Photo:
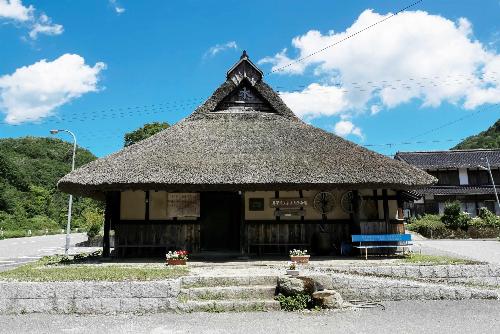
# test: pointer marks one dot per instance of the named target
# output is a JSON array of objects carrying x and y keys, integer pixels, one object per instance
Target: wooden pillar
[
  {"x": 385, "y": 204},
  {"x": 355, "y": 216},
  {"x": 375, "y": 200},
  {"x": 243, "y": 226},
  {"x": 146, "y": 218},
  {"x": 399, "y": 198},
  {"x": 108, "y": 213}
]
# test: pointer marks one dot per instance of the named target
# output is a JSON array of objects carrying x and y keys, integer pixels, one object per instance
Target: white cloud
[
  {"x": 15, "y": 10},
  {"x": 117, "y": 7},
  {"x": 344, "y": 128},
  {"x": 439, "y": 61},
  {"x": 46, "y": 27},
  {"x": 212, "y": 51},
  {"x": 35, "y": 91},
  {"x": 316, "y": 100}
]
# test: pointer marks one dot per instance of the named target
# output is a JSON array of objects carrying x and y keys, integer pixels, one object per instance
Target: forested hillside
[
  {"x": 487, "y": 139},
  {"x": 29, "y": 170}
]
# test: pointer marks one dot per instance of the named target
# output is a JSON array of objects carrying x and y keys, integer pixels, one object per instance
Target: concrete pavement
[
  {"x": 470, "y": 316},
  {"x": 479, "y": 250},
  {"x": 16, "y": 251}
]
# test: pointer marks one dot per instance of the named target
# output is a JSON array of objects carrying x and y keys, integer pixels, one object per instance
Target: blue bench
[{"x": 369, "y": 241}]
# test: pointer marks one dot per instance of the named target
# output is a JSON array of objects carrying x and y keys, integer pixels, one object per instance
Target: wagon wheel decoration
[
  {"x": 324, "y": 202},
  {"x": 347, "y": 199}
]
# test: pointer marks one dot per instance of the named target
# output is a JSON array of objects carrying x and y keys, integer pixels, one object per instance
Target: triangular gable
[
  {"x": 244, "y": 91},
  {"x": 244, "y": 98}
]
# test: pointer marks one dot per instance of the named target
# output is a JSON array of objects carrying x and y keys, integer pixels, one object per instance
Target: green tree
[
  {"x": 144, "y": 132},
  {"x": 454, "y": 218},
  {"x": 486, "y": 139},
  {"x": 29, "y": 170}
]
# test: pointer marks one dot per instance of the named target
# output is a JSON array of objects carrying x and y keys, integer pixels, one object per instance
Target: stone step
[
  {"x": 229, "y": 305},
  {"x": 228, "y": 292},
  {"x": 218, "y": 281}
]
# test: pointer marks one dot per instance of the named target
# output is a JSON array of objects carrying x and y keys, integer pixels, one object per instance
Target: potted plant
[
  {"x": 292, "y": 269},
  {"x": 299, "y": 256},
  {"x": 176, "y": 258}
]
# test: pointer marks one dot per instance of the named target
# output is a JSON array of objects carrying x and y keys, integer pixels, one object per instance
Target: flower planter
[
  {"x": 302, "y": 259},
  {"x": 292, "y": 272},
  {"x": 176, "y": 262}
]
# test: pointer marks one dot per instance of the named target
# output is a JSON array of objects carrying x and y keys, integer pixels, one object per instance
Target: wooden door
[{"x": 220, "y": 216}]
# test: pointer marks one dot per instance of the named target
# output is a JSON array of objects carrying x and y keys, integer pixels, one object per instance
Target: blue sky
[{"x": 111, "y": 66}]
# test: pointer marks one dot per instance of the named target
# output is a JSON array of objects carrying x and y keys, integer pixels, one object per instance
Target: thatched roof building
[
  {"x": 242, "y": 172},
  {"x": 243, "y": 137}
]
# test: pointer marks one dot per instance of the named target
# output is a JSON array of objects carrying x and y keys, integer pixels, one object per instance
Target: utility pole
[
  {"x": 68, "y": 225},
  {"x": 492, "y": 180}
]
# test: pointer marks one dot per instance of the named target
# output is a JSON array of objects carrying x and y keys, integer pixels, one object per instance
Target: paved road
[
  {"x": 22, "y": 250},
  {"x": 480, "y": 250},
  {"x": 472, "y": 316}
]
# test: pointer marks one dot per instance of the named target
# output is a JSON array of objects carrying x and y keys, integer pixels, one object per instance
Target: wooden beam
[
  {"x": 243, "y": 226},
  {"x": 355, "y": 216},
  {"x": 146, "y": 218},
  {"x": 277, "y": 195},
  {"x": 385, "y": 204},
  {"x": 108, "y": 213}
]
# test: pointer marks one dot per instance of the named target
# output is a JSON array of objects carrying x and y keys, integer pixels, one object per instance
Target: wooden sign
[
  {"x": 183, "y": 205},
  {"x": 289, "y": 203},
  {"x": 289, "y": 213}
]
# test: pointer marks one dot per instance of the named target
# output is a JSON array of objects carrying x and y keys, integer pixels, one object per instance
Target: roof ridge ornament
[{"x": 244, "y": 69}]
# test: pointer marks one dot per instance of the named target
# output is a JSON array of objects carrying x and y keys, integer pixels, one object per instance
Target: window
[
  {"x": 446, "y": 177},
  {"x": 479, "y": 177}
]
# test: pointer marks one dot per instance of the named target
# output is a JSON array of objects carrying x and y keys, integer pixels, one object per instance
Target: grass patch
[
  {"x": 54, "y": 269},
  {"x": 434, "y": 259}
]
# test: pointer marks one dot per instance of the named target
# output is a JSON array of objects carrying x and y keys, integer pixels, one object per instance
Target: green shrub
[
  {"x": 489, "y": 218},
  {"x": 296, "y": 302},
  {"x": 453, "y": 217},
  {"x": 430, "y": 226},
  {"x": 93, "y": 221}
]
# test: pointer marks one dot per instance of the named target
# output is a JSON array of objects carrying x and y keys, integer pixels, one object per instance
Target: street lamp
[
  {"x": 68, "y": 225},
  {"x": 492, "y": 180}
]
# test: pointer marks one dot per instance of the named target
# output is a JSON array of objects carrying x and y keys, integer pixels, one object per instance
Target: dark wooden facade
[{"x": 222, "y": 227}]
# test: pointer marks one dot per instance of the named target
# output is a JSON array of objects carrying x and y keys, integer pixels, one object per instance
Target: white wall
[
  {"x": 367, "y": 209},
  {"x": 463, "y": 176}
]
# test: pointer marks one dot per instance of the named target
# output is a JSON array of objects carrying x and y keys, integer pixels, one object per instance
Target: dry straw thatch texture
[{"x": 242, "y": 149}]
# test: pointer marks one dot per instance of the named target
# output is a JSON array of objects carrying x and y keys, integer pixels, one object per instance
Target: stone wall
[
  {"x": 356, "y": 287},
  {"x": 88, "y": 297}
]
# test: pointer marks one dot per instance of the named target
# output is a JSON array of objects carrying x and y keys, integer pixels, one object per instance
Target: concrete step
[
  {"x": 229, "y": 292},
  {"x": 229, "y": 305},
  {"x": 220, "y": 281}
]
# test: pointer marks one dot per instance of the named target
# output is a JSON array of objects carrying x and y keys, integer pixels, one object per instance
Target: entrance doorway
[{"x": 220, "y": 217}]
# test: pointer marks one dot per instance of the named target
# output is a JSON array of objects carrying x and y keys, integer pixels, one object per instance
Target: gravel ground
[{"x": 471, "y": 316}]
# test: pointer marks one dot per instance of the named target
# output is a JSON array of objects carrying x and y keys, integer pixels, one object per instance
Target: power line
[
  {"x": 345, "y": 38},
  {"x": 126, "y": 112},
  {"x": 389, "y": 145},
  {"x": 454, "y": 121},
  {"x": 421, "y": 82}
]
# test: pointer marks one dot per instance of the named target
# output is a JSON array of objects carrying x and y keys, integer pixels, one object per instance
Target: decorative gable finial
[{"x": 244, "y": 68}]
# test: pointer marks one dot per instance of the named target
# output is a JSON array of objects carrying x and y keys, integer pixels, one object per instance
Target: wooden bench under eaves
[{"x": 374, "y": 241}]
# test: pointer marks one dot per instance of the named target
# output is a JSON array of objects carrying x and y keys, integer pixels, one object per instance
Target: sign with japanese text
[{"x": 289, "y": 203}]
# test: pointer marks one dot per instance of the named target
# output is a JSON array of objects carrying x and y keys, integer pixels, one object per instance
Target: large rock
[
  {"x": 290, "y": 286},
  {"x": 327, "y": 299}
]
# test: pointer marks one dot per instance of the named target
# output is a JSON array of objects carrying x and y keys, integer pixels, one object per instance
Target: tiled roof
[
  {"x": 457, "y": 190},
  {"x": 451, "y": 159}
]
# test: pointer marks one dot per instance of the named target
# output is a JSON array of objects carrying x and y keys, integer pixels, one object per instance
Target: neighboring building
[
  {"x": 461, "y": 176},
  {"x": 243, "y": 173}
]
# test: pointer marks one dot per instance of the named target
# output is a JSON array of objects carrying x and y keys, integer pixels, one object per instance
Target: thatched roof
[{"x": 243, "y": 137}]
